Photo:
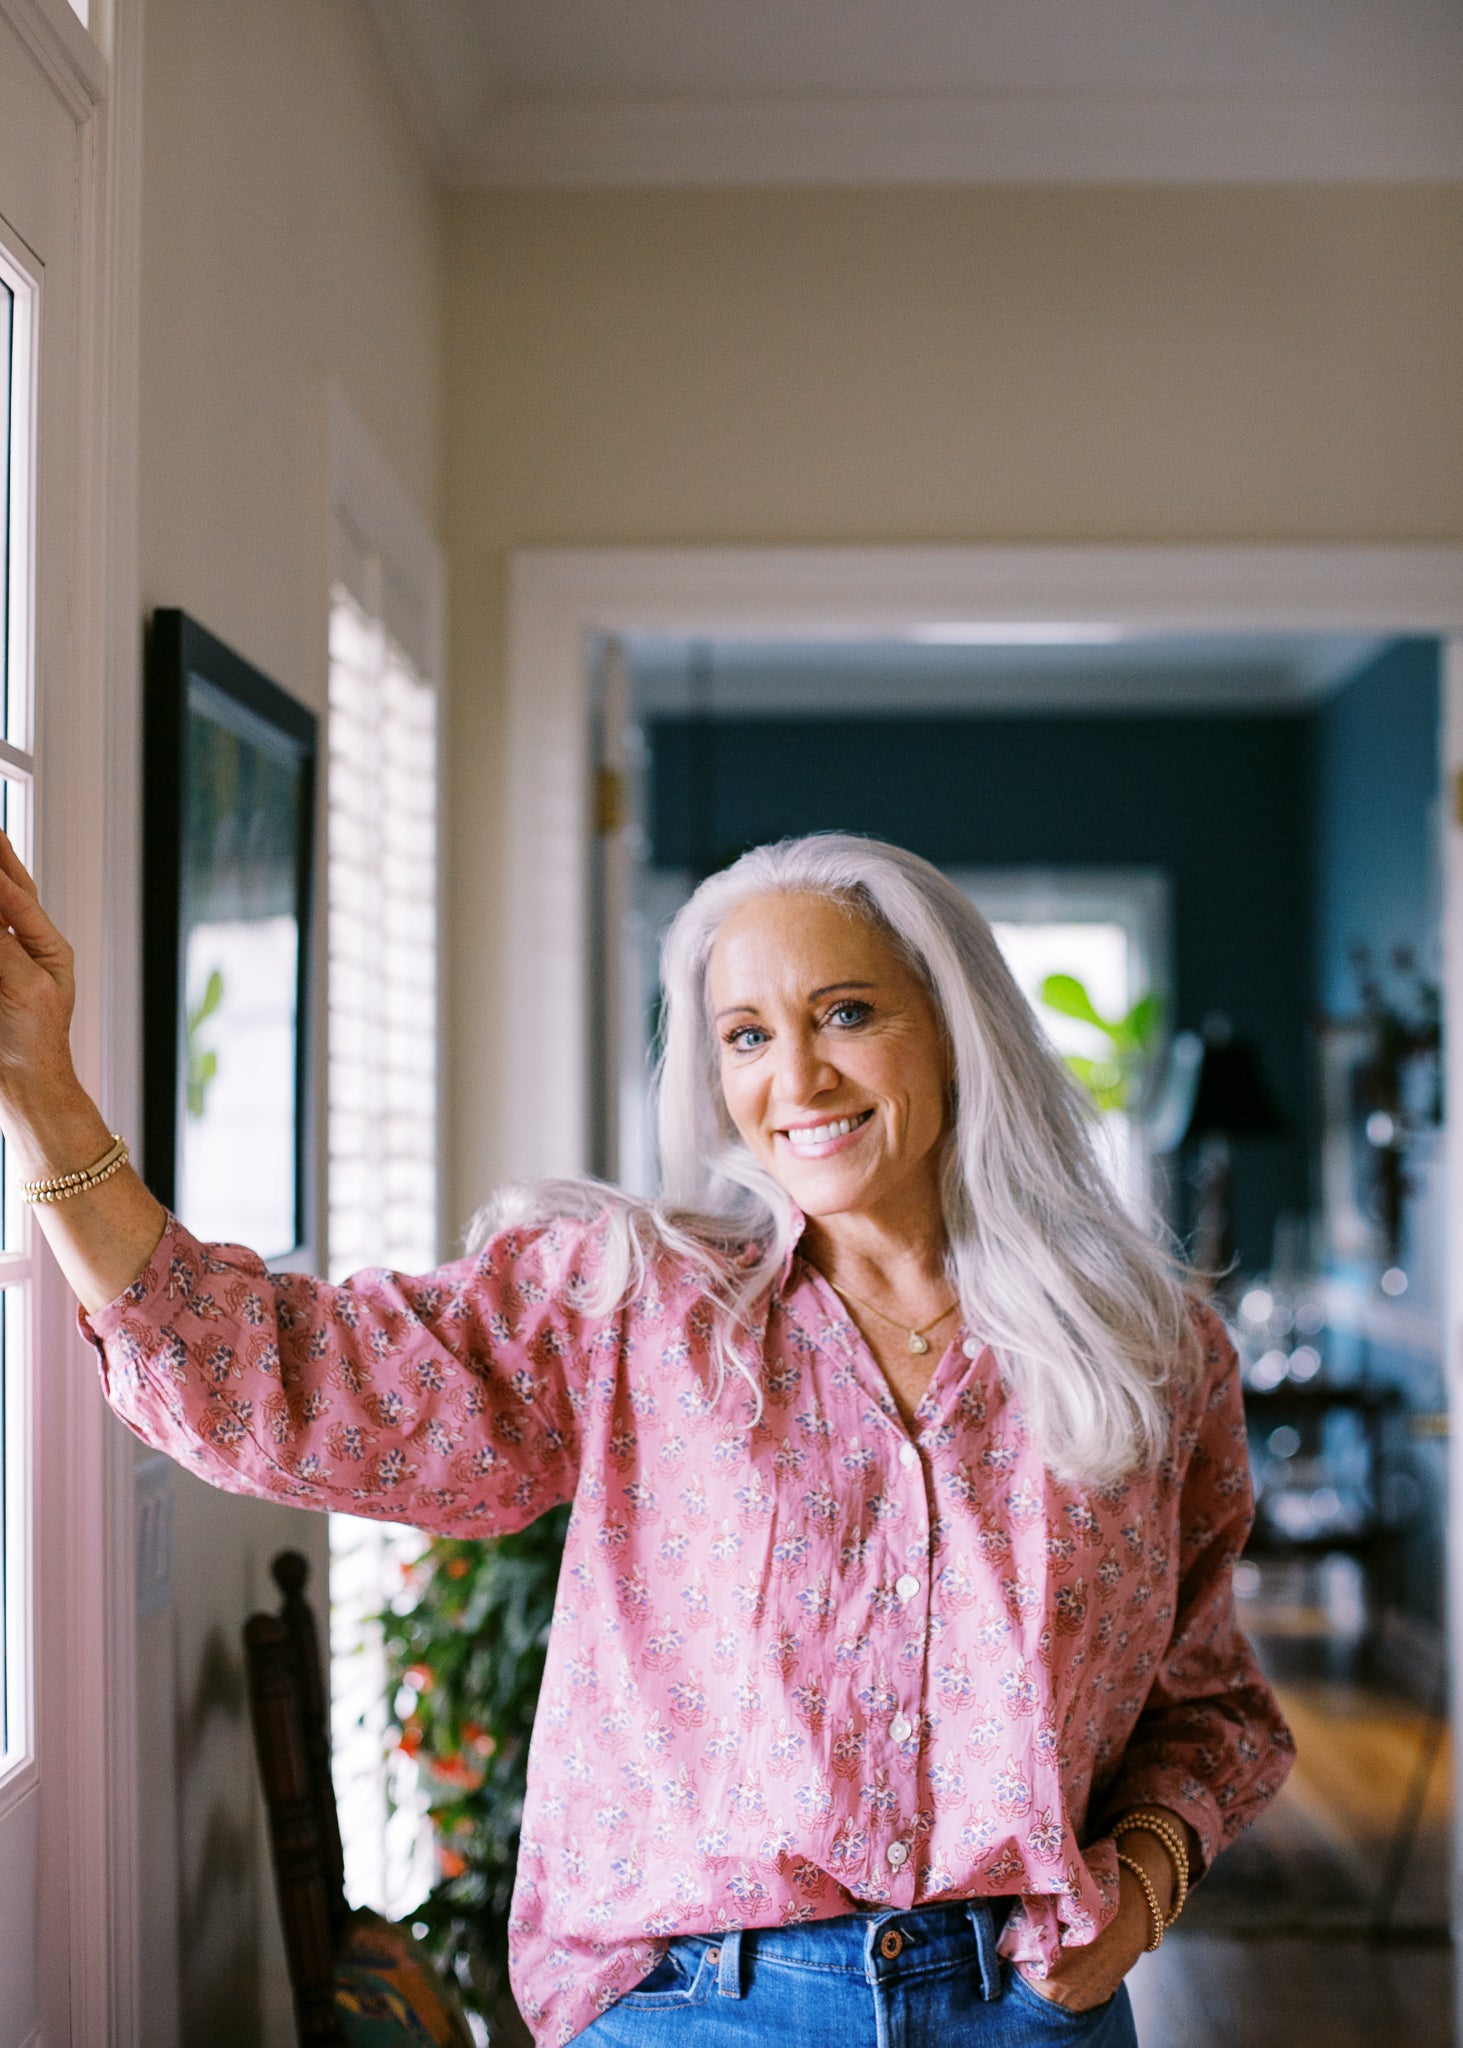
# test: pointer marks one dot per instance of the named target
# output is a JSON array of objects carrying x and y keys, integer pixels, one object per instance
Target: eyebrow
[{"x": 829, "y": 988}]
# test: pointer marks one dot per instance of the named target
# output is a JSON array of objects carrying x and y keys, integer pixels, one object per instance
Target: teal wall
[
  {"x": 1378, "y": 885},
  {"x": 1377, "y": 876}
]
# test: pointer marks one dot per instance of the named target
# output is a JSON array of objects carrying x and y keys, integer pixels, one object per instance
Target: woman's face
[{"x": 833, "y": 1063}]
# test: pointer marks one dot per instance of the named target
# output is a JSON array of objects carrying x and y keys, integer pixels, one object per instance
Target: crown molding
[
  {"x": 64, "y": 51},
  {"x": 1078, "y": 139}
]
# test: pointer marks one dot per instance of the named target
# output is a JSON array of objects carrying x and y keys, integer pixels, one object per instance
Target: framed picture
[{"x": 229, "y": 807}]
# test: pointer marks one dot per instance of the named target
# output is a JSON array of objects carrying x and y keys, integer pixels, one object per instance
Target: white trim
[
  {"x": 1058, "y": 138},
  {"x": 100, "y": 1744},
  {"x": 65, "y": 53},
  {"x": 560, "y": 598}
]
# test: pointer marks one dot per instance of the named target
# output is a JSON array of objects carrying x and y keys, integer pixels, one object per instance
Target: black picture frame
[{"x": 229, "y": 802}]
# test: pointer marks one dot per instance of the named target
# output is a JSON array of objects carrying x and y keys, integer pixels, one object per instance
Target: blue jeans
[{"x": 876, "y": 1978}]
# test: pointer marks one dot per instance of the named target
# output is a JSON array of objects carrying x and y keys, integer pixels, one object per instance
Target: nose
[{"x": 803, "y": 1072}]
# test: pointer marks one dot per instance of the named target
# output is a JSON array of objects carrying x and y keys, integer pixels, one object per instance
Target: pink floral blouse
[{"x": 793, "y": 1665}]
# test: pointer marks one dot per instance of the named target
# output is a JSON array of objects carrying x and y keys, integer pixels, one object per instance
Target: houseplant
[{"x": 465, "y": 1648}]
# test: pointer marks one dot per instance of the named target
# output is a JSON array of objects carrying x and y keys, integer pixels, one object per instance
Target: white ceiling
[
  {"x": 1158, "y": 673},
  {"x": 661, "y": 92}
]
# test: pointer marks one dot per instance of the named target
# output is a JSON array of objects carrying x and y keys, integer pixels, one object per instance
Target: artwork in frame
[{"x": 229, "y": 809}]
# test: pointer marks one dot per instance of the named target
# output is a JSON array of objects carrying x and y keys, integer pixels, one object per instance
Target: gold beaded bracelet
[
  {"x": 1163, "y": 1830},
  {"x": 1154, "y": 1909},
  {"x": 60, "y": 1187}
]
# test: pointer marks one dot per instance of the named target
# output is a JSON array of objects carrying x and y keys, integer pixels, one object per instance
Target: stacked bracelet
[
  {"x": 60, "y": 1187},
  {"x": 1155, "y": 1911},
  {"x": 1163, "y": 1829}
]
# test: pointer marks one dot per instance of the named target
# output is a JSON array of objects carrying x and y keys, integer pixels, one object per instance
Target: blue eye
[
  {"x": 737, "y": 1039},
  {"x": 847, "y": 1015}
]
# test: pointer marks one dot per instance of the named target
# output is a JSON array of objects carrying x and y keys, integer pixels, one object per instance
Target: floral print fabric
[{"x": 796, "y": 1663}]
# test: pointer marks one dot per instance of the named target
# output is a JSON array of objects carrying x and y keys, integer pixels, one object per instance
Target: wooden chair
[{"x": 322, "y": 1937}]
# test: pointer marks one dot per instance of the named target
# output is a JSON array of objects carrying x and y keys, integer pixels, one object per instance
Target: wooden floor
[
  {"x": 1279, "y": 1947},
  {"x": 1218, "y": 1991}
]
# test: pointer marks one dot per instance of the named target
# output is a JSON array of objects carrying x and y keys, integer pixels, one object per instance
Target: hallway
[{"x": 1241, "y": 1969}]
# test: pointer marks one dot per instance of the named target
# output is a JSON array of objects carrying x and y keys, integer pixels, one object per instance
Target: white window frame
[
  {"x": 18, "y": 1268},
  {"x": 1137, "y": 899},
  {"x": 87, "y": 863}
]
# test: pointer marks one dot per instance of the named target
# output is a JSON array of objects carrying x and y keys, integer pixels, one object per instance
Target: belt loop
[
  {"x": 982, "y": 1921},
  {"x": 729, "y": 1969}
]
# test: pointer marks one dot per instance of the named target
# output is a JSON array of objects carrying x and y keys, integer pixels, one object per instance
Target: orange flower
[
  {"x": 456, "y": 1772},
  {"x": 412, "y": 1737},
  {"x": 457, "y": 1567},
  {"x": 451, "y": 1864},
  {"x": 419, "y": 1676}
]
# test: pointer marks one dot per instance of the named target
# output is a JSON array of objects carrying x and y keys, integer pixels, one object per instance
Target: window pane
[
  {"x": 15, "y": 821},
  {"x": 7, "y": 328},
  {"x": 13, "y": 1545}
]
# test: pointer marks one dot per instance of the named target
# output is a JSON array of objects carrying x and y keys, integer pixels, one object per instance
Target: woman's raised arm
[{"x": 104, "y": 1237}]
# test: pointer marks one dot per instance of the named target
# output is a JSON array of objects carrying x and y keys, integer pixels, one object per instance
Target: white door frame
[
  {"x": 563, "y": 599},
  {"x": 89, "y": 703}
]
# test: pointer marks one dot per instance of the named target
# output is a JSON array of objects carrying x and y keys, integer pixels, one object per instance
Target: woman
[{"x": 894, "y": 1680}]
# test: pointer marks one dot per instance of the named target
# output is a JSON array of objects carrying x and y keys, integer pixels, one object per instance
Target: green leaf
[
  {"x": 1065, "y": 994},
  {"x": 213, "y": 995}
]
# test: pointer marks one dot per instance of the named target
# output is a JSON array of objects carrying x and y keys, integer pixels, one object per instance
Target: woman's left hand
[{"x": 1081, "y": 1978}]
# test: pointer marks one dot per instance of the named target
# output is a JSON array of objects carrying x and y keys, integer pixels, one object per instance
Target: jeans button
[{"x": 890, "y": 1943}]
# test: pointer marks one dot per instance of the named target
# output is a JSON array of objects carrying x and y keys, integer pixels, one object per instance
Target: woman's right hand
[
  {"x": 102, "y": 1238},
  {"x": 37, "y": 997}
]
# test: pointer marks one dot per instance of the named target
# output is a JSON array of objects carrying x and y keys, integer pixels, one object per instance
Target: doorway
[
  {"x": 1248, "y": 862},
  {"x": 572, "y": 613}
]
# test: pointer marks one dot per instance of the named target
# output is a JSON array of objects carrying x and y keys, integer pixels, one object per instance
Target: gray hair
[{"x": 1083, "y": 1304}]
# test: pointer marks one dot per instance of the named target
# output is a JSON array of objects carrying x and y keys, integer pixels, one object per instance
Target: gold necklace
[{"x": 918, "y": 1342}]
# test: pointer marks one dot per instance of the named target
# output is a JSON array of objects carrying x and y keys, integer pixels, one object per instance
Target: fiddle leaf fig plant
[{"x": 1114, "y": 1076}]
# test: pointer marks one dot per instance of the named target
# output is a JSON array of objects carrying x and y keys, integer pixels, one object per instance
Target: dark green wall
[{"x": 1221, "y": 803}]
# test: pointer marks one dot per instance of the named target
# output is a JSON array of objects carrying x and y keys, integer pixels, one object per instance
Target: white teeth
[{"x": 819, "y": 1134}]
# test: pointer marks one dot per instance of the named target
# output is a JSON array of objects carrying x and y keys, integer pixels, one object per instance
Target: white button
[
  {"x": 898, "y": 1854},
  {"x": 906, "y": 1587},
  {"x": 901, "y": 1729},
  {"x": 971, "y": 1347},
  {"x": 907, "y": 1453}
]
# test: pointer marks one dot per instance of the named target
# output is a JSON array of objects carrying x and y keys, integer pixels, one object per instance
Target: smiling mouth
[{"x": 813, "y": 1137}]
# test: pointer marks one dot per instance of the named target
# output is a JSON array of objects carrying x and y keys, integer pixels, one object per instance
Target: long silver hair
[{"x": 1084, "y": 1305}]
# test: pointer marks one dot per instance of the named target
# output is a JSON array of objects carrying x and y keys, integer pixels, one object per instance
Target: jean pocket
[
  {"x": 681, "y": 1977},
  {"x": 1061, "y": 2017}
]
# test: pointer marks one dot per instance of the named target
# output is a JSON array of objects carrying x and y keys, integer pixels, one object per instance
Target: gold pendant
[{"x": 917, "y": 1344}]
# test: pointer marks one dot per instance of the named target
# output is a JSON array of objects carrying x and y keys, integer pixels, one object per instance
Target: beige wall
[
  {"x": 916, "y": 366},
  {"x": 289, "y": 237}
]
